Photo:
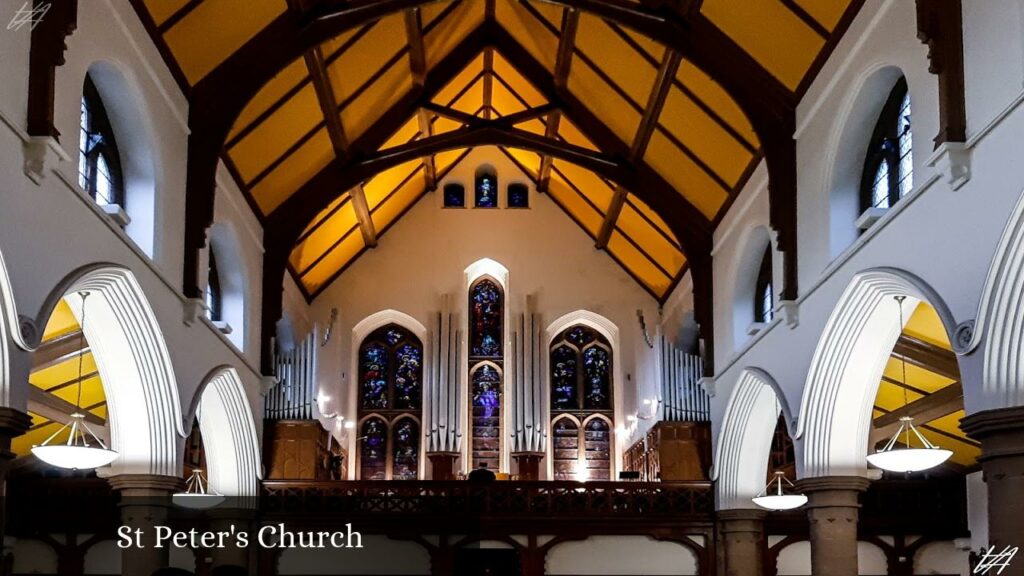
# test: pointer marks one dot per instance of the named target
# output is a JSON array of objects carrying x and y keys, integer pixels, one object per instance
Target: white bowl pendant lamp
[
  {"x": 83, "y": 450},
  {"x": 774, "y": 496},
  {"x": 196, "y": 494},
  {"x": 907, "y": 457}
]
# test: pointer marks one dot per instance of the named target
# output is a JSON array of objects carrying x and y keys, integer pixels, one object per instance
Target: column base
[
  {"x": 442, "y": 465},
  {"x": 528, "y": 464}
]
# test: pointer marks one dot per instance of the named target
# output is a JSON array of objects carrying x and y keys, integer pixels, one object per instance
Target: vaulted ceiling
[{"x": 344, "y": 113}]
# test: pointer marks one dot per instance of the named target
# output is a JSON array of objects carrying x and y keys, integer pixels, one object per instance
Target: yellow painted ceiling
[
  {"x": 702, "y": 145},
  {"x": 924, "y": 324},
  {"x": 59, "y": 380}
]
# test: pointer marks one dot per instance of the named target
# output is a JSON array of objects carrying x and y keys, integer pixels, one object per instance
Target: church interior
[{"x": 512, "y": 287}]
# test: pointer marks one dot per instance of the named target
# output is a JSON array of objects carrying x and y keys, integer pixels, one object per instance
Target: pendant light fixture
[
  {"x": 907, "y": 458},
  {"x": 196, "y": 494},
  {"x": 83, "y": 449},
  {"x": 774, "y": 496}
]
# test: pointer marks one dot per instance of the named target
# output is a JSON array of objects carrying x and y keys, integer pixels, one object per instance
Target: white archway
[
  {"x": 610, "y": 331},
  {"x": 229, "y": 435},
  {"x": 836, "y": 408},
  {"x": 744, "y": 443},
  {"x": 135, "y": 367}
]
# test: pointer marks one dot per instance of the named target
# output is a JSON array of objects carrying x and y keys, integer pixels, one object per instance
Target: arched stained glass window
[
  {"x": 486, "y": 189},
  {"x": 764, "y": 295},
  {"x": 99, "y": 163},
  {"x": 889, "y": 163},
  {"x": 580, "y": 365},
  {"x": 486, "y": 309},
  {"x": 486, "y": 351},
  {"x": 406, "y": 449},
  {"x": 391, "y": 393},
  {"x": 373, "y": 448},
  {"x": 486, "y": 415}
]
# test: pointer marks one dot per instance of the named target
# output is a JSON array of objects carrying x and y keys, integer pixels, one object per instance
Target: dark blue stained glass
[
  {"x": 485, "y": 303},
  {"x": 563, "y": 379},
  {"x": 580, "y": 336},
  {"x": 454, "y": 196},
  {"x": 393, "y": 335},
  {"x": 373, "y": 450},
  {"x": 407, "y": 376},
  {"x": 486, "y": 393},
  {"x": 406, "y": 448},
  {"x": 596, "y": 378},
  {"x": 373, "y": 367},
  {"x": 518, "y": 196},
  {"x": 486, "y": 191}
]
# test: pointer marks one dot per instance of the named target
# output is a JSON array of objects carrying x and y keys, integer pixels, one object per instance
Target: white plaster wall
[
  {"x": 425, "y": 255},
  {"x": 941, "y": 558},
  {"x": 620, "y": 555},
  {"x": 49, "y": 230},
  {"x": 795, "y": 559}
]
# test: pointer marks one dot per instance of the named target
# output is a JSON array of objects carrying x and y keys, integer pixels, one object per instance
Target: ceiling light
[
  {"x": 83, "y": 449},
  {"x": 907, "y": 458},
  {"x": 196, "y": 495},
  {"x": 774, "y": 497}
]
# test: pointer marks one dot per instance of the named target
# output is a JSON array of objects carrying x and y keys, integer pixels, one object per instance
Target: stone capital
[
  {"x": 1000, "y": 431},
  {"x": 749, "y": 520},
  {"x": 833, "y": 491},
  {"x": 13, "y": 422},
  {"x": 145, "y": 484}
]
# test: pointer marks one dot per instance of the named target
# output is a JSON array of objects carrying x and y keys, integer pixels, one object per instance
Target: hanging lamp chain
[{"x": 81, "y": 352}]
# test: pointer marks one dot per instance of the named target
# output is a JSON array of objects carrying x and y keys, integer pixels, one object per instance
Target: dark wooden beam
[
  {"x": 488, "y": 96},
  {"x": 940, "y": 26},
  {"x": 362, "y": 211},
  {"x": 57, "y": 21},
  {"x": 648, "y": 123},
  {"x": 942, "y": 402},
  {"x": 563, "y": 63},
  {"x": 418, "y": 66},
  {"x": 44, "y": 398},
  {"x": 328, "y": 102},
  {"x": 58, "y": 350},
  {"x": 928, "y": 356}
]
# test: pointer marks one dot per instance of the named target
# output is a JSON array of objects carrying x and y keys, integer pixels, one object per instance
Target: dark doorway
[{"x": 487, "y": 562}]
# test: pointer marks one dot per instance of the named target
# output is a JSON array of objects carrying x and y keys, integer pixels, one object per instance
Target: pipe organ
[
  {"x": 293, "y": 396},
  {"x": 684, "y": 400}
]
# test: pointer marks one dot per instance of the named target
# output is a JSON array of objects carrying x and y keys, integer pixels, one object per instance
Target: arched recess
[
  {"x": 133, "y": 130},
  {"x": 229, "y": 434},
  {"x": 836, "y": 408},
  {"x": 747, "y": 267},
  {"x": 131, "y": 356},
  {"x": 1000, "y": 320},
  {"x": 610, "y": 331},
  {"x": 847, "y": 150},
  {"x": 233, "y": 282},
  {"x": 744, "y": 443}
]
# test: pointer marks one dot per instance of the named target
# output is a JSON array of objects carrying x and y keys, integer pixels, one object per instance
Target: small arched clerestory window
[
  {"x": 99, "y": 164},
  {"x": 888, "y": 167},
  {"x": 214, "y": 296},
  {"x": 485, "y": 191},
  {"x": 764, "y": 295}
]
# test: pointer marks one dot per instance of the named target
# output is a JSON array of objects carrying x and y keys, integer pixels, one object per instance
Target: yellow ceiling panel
[
  {"x": 570, "y": 201},
  {"x": 704, "y": 137},
  {"x": 432, "y": 11},
  {"x": 613, "y": 55},
  {"x": 293, "y": 172},
  {"x": 528, "y": 161},
  {"x": 442, "y": 125},
  {"x": 405, "y": 134},
  {"x": 326, "y": 213},
  {"x": 924, "y": 324},
  {"x": 650, "y": 239},
  {"x": 381, "y": 185},
  {"x": 588, "y": 183},
  {"x": 964, "y": 453},
  {"x": 64, "y": 372},
  {"x": 603, "y": 101},
  {"x": 320, "y": 240},
  {"x": 364, "y": 59},
  {"x": 272, "y": 91},
  {"x": 787, "y": 51},
  {"x": 22, "y": 445},
  {"x": 333, "y": 261},
  {"x": 215, "y": 29},
  {"x": 161, "y": 10},
  {"x": 471, "y": 100},
  {"x": 92, "y": 392},
  {"x": 535, "y": 126},
  {"x": 717, "y": 99},
  {"x": 522, "y": 87},
  {"x": 916, "y": 376},
  {"x": 451, "y": 91},
  {"x": 825, "y": 12},
  {"x": 275, "y": 135},
  {"x": 361, "y": 113},
  {"x": 639, "y": 265},
  {"x": 446, "y": 160},
  {"x": 400, "y": 200},
  {"x": 685, "y": 176},
  {"x": 439, "y": 41},
  {"x": 651, "y": 216},
  {"x": 890, "y": 396},
  {"x": 550, "y": 12},
  {"x": 570, "y": 133},
  {"x": 503, "y": 101},
  {"x": 530, "y": 32},
  {"x": 653, "y": 50},
  {"x": 62, "y": 321}
]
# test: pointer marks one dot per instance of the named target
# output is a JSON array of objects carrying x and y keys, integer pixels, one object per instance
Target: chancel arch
[
  {"x": 230, "y": 444},
  {"x": 836, "y": 410}
]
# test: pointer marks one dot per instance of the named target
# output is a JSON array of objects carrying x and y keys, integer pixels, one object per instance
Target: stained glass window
[
  {"x": 391, "y": 390},
  {"x": 518, "y": 196},
  {"x": 406, "y": 449},
  {"x": 99, "y": 164},
  {"x": 454, "y": 196},
  {"x": 597, "y": 438},
  {"x": 373, "y": 449},
  {"x": 889, "y": 165},
  {"x": 566, "y": 448},
  {"x": 486, "y": 190},
  {"x": 486, "y": 399},
  {"x": 563, "y": 378},
  {"x": 485, "y": 305},
  {"x": 596, "y": 364}
]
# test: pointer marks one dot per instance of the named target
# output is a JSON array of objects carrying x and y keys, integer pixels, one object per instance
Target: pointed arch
[
  {"x": 836, "y": 408},
  {"x": 229, "y": 434}
]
